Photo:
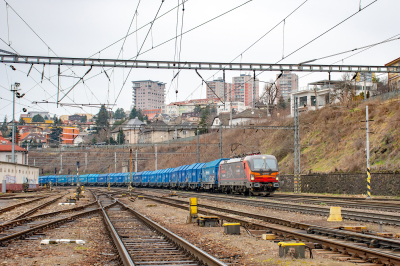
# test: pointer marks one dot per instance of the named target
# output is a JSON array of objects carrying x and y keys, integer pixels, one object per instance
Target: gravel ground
[
  {"x": 235, "y": 249},
  {"x": 19, "y": 210},
  {"x": 296, "y": 217},
  {"x": 55, "y": 207},
  {"x": 97, "y": 249}
]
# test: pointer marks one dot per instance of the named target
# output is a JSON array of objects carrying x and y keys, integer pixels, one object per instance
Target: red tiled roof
[
  {"x": 8, "y": 147},
  {"x": 3, "y": 139},
  {"x": 392, "y": 62},
  {"x": 24, "y": 135}
]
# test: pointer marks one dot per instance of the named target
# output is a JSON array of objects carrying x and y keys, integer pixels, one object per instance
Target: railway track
[
  {"x": 356, "y": 204},
  {"x": 140, "y": 241},
  {"x": 354, "y": 215},
  {"x": 13, "y": 206},
  {"x": 28, "y": 225},
  {"x": 355, "y": 247},
  {"x": 284, "y": 195}
]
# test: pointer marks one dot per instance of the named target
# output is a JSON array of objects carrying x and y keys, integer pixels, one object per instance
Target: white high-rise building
[{"x": 148, "y": 94}]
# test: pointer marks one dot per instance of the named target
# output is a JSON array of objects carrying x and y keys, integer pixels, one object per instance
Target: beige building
[
  {"x": 16, "y": 175},
  {"x": 287, "y": 84},
  {"x": 394, "y": 79},
  {"x": 131, "y": 130},
  {"x": 161, "y": 132}
]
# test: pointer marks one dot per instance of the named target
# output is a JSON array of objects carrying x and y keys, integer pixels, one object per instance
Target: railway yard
[{"x": 152, "y": 227}]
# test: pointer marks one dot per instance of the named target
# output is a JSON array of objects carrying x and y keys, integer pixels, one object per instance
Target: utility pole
[
  {"x": 27, "y": 156},
  {"x": 136, "y": 162},
  {"x": 367, "y": 150},
  {"x": 254, "y": 89},
  {"x": 61, "y": 163},
  {"x": 198, "y": 146},
  {"x": 109, "y": 174},
  {"x": 77, "y": 173},
  {"x": 85, "y": 162},
  {"x": 14, "y": 89},
  {"x": 155, "y": 146},
  {"x": 297, "y": 179},
  {"x": 365, "y": 92},
  {"x": 220, "y": 142},
  {"x": 130, "y": 168}
]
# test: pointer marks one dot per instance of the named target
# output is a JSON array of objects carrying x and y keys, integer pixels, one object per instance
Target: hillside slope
[{"x": 332, "y": 140}]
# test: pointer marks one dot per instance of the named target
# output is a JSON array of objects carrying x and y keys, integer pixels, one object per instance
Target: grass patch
[{"x": 81, "y": 248}]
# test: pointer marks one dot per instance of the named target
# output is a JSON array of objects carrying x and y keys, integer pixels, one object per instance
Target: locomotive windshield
[{"x": 260, "y": 164}]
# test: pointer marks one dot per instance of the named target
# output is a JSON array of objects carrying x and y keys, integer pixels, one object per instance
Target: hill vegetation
[{"x": 332, "y": 140}]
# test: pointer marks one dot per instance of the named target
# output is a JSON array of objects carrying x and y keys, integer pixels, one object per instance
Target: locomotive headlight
[
  {"x": 277, "y": 178},
  {"x": 251, "y": 177}
]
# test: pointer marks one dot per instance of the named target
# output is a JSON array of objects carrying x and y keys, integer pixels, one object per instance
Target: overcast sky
[{"x": 82, "y": 28}]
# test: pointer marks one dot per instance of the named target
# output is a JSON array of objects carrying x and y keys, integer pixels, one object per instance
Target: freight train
[{"x": 253, "y": 174}]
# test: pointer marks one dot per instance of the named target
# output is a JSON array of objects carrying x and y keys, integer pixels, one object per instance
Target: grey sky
[{"x": 82, "y": 28}]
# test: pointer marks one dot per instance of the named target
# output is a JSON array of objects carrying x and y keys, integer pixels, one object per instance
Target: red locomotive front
[{"x": 252, "y": 174}]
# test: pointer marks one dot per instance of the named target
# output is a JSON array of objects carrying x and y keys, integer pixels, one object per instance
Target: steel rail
[
  {"x": 41, "y": 206},
  {"x": 348, "y": 235},
  {"x": 9, "y": 208},
  {"x": 14, "y": 223},
  {"x": 74, "y": 61},
  {"x": 346, "y": 214},
  {"x": 179, "y": 241},
  {"x": 329, "y": 197},
  {"x": 122, "y": 251},
  {"x": 357, "y": 204},
  {"x": 28, "y": 232},
  {"x": 345, "y": 248}
]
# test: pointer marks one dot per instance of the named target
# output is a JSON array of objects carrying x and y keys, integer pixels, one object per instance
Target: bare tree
[
  {"x": 270, "y": 93},
  {"x": 382, "y": 85},
  {"x": 345, "y": 90}
]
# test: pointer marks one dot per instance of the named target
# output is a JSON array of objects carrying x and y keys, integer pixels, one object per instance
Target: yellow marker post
[
  {"x": 192, "y": 209},
  {"x": 335, "y": 214},
  {"x": 368, "y": 183}
]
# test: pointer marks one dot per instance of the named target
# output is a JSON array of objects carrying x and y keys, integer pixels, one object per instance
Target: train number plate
[
  {"x": 276, "y": 184},
  {"x": 256, "y": 184}
]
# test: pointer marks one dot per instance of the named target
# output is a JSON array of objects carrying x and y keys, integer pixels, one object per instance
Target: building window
[
  {"x": 313, "y": 101},
  {"x": 303, "y": 101}
]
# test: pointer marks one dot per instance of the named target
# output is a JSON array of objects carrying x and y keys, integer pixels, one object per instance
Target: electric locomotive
[{"x": 255, "y": 174}]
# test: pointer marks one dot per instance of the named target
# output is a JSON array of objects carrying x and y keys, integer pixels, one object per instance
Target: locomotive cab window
[{"x": 262, "y": 164}]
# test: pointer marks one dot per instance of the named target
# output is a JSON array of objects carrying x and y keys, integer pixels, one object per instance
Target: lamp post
[{"x": 14, "y": 89}]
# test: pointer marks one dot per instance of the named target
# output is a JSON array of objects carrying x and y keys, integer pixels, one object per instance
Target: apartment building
[
  {"x": 287, "y": 84},
  {"x": 245, "y": 89},
  {"x": 148, "y": 94},
  {"x": 217, "y": 89},
  {"x": 394, "y": 78}
]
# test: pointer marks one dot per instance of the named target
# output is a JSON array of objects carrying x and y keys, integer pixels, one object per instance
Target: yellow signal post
[{"x": 192, "y": 209}]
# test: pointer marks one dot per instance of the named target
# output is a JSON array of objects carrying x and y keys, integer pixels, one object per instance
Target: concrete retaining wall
[{"x": 384, "y": 184}]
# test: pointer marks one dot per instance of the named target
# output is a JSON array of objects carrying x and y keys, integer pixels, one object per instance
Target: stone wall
[{"x": 384, "y": 184}]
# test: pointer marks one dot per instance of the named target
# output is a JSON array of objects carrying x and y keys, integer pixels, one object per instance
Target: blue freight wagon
[
  {"x": 137, "y": 180},
  {"x": 210, "y": 174},
  {"x": 113, "y": 179},
  {"x": 145, "y": 178},
  {"x": 152, "y": 178},
  {"x": 62, "y": 180},
  {"x": 52, "y": 179},
  {"x": 83, "y": 179},
  {"x": 129, "y": 177},
  {"x": 120, "y": 179},
  {"x": 102, "y": 180},
  {"x": 175, "y": 176},
  {"x": 167, "y": 177},
  {"x": 159, "y": 177},
  {"x": 195, "y": 175},
  {"x": 92, "y": 180},
  {"x": 183, "y": 177},
  {"x": 42, "y": 180}
]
